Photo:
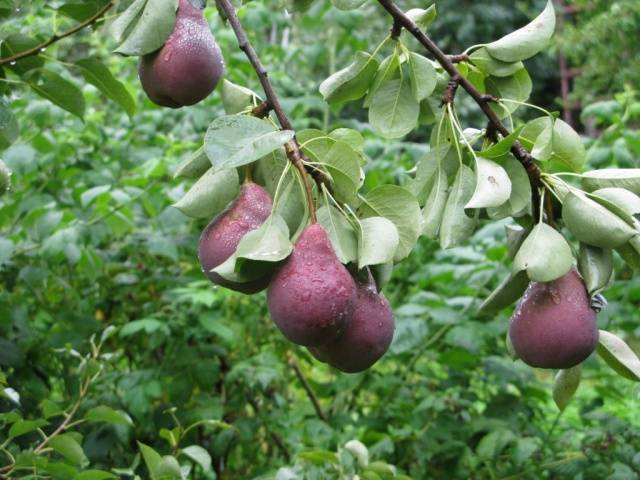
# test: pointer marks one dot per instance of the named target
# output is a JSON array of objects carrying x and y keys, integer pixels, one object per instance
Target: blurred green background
[{"x": 89, "y": 241}]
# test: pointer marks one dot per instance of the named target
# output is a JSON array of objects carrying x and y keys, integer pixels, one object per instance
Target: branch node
[
  {"x": 449, "y": 94},
  {"x": 463, "y": 57},
  {"x": 262, "y": 110},
  {"x": 396, "y": 29}
]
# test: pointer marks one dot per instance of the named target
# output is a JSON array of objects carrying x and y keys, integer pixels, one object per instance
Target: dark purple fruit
[
  {"x": 312, "y": 298},
  {"x": 554, "y": 325},
  {"x": 189, "y": 65},
  {"x": 367, "y": 337},
  {"x": 221, "y": 237}
]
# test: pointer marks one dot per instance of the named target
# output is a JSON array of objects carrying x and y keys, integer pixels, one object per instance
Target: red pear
[
  {"x": 189, "y": 65},
  {"x": 221, "y": 237},
  {"x": 554, "y": 325},
  {"x": 311, "y": 299},
  {"x": 367, "y": 337}
]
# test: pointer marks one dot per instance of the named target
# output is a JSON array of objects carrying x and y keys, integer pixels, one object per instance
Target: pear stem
[
  {"x": 292, "y": 147},
  {"x": 401, "y": 20},
  {"x": 58, "y": 36}
]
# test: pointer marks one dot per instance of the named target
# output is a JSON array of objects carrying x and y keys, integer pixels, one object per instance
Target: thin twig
[
  {"x": 274, "y": 436},
  {"x": 483, "y": 102},
  {"x": 57, "y": 37},
  {"x": 307, "y": 388},
  {"x": 293, "y": 148}
]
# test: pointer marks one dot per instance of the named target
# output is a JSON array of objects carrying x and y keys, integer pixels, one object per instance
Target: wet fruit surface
[
  {"x": 554, "y": 325},
  {"x": 367, "y": 337},
  {"x": 189, "y": 65},
  {"x": 221, "y": 237},
  {"x": 311, "y": 299}
]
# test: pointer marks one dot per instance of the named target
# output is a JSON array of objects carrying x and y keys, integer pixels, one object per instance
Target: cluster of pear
[
  {"x": 189, "y": 65},
  {"x": 313, "y": 298},
  {"x": 554, "y": 325}
]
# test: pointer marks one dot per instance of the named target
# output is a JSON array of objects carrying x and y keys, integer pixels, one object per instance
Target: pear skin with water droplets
[
  {"x": 554, "y": 325},
  {"x": 188, "y": 67},
  {"x": 312, "y": 297},
  {"x": 367, "y": 337},
  {"x": 221, "y": 237}
]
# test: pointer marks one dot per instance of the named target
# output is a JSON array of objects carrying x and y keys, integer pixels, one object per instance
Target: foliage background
[{"x": 88, "y": 240}]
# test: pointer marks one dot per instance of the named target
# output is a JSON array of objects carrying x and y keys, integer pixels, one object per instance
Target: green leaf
[
  {"x": 567, "y": 146},
  {"x": 107, "y": 415},
  {"x": 388, "y": 70},
  {"x": 236, "y": 140},
  {"x": 152, "y": 459},
  {"x": 527, "y": 41},
  {"x": 507, "y": 293},
  {"x": 98, "y": 75},
  {"x": 620, "y": 201},
  {"x": 503, "y": 147},
  {"x": 493, "y": 186},
  {"x": 456, "y": 225},
  {"x": 17, "y": 43},
  {"x": 434, "y": 207},
  {"x": 596, "y": 267},
  {"x": 423, "y": 17},
  {"x": 401, "y": 207},
  {"x": 270, "y": 243},
  {"x": 5, "y": 185},
  {"x": 94, "y": 475},
  {"x": 319, "y": 457},
  {"x": 619, "y": 356},
  {"x": 520, "y": 197},
  {"x": 9, "y": 130},
  {"x": 211, "y": 194},
  {"x": 628, "y": 178},
  {"x": 193, "y": 166},
  {"x": 593, "y": 224},
  {"x": 351, "y": 137},
  {"x": 343, "y": 164},
  {"x": 198, "y": 455},
  {"x": 142, "y": 30},
  {"x": 565, "y": 386},
  {"x": 379, "y": 240},
  {"x": 67, "y": 446},
  {"x": 348, "y": 4},
  {"x": 341, "y": 233},
  {"x": 22, "y": 427},
  {"x": 422, "y": 75},
  {"x": 57, "y": 90},
  {"x": 515, "y": 87},
  {"x": 394, "y": 112},
  {"x": 236, "y": 98},
  {"x": 545, "y": 255},
  {"x": 492, "y": 66},
  {"x": 543, "y": 147},
  {"x": 352, "y": 82}
]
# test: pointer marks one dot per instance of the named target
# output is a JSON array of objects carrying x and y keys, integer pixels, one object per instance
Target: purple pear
[
  {"x": 189, "y": 65},
  {"x": 554, "y": 325},
  {"x": 312, "y": 298},
  {"x": 367, "y": 337},
  {"x": 221, "y": 237}
]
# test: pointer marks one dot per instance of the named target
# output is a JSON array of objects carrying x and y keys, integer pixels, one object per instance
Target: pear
[
  {"x": 312, "y": 297},
  {"x": 189, "y": 65},
  {"x": 554, "y": 325},
  {"x": 367, "y": 337},
  {"x": 221, "y": 237}
]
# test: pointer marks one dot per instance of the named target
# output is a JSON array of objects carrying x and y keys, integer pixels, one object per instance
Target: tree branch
[
  {"x": 293, "y": 148},
  {"x": 307, "y": 388},
  {"x": 447, "y": 62},
  {"x": 57, "y": 37}
]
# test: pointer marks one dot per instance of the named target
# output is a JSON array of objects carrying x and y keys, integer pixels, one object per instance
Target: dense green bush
[{"x": 108, "y": 326}]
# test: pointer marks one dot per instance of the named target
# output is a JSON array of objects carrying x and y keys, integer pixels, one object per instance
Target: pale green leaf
[{"x": 545, "y": 255}]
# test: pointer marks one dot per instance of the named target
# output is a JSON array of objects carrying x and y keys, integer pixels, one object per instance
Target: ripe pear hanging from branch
[{"x": 189, "y": 65}]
